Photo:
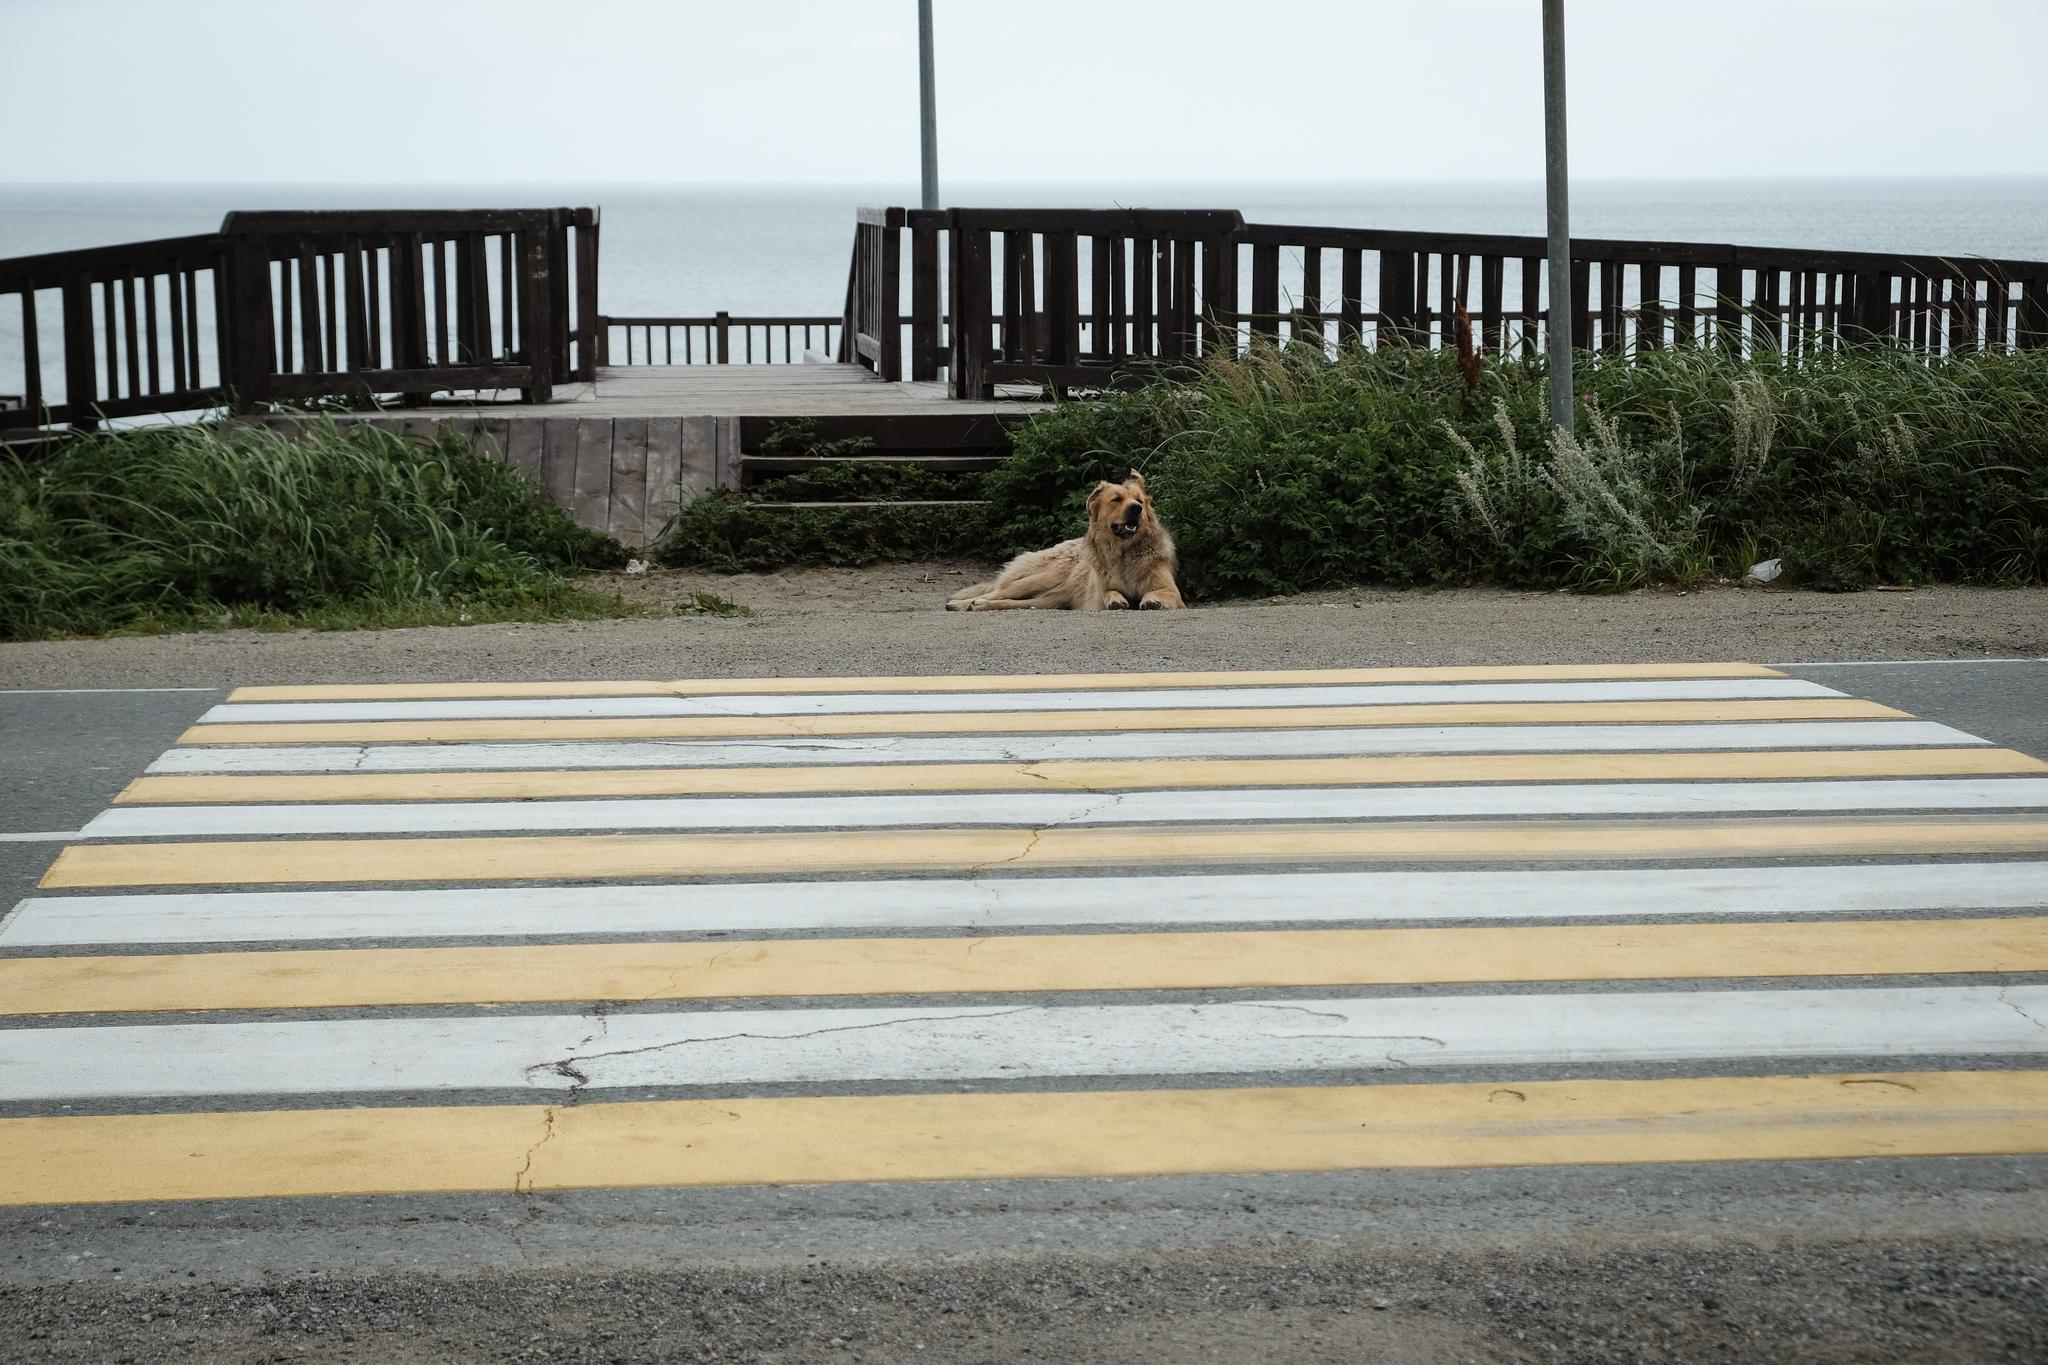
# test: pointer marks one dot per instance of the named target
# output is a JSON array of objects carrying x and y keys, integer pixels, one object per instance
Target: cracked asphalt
[{"x": 1932, "y": 1260}]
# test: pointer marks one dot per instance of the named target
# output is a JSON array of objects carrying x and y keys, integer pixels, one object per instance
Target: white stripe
[
  {"x": 1015, "y": 903},
  {"x": 836, "y": 1046},
  {"x": 1385, "y": 694},
  {"x": 1041, "y": 809},
  {"x": 1446, "y": 739},
  {"x": 38, "y": 836}
]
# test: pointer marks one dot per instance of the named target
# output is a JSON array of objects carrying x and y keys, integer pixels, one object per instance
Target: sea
[{"x": 688, "y": 249}]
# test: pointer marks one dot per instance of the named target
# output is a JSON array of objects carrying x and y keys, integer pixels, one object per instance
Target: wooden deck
[
  {"x": 814, "y": 390},
  {"x": 622, "y": 453}
]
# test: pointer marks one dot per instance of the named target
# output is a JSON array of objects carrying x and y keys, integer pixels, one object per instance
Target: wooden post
[
  {"x": 1219, "y": 290},
  {"x": 1265, "y": 289},
  {"x": 249, "y": 292},
  {"x": 1062, "y": 298},
  {"x": 2033, "y": 314},
  {"x": 888, "y": 317},
  {"x": 723, "y": 327},
  {"x": 971, "y": 310},
  {"x": 1397, "y": 294},
  {"x": 537, "y": 319},
  {"x": 590, "y": 340},
  {"x": 1728, "y": 305},
  {"x": 81, "y": 364},
  {"x": 924, "y": 301}
]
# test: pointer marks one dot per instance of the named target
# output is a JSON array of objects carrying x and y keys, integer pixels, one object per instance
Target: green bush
[
  {"x": 177, "y": 526},
  {"x": 1284, "y": 470}
]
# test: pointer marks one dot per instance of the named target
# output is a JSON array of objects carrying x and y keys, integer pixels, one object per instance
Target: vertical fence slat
[
  {"x": 31, "y": 354},
  {"x": 373, "y": 292},
  {"x": 174, "y": 295},
  {"x": 1351, "y": 321},
  {"x": 220, "y": 326},
  {"x": 154, "y": 384},
  {"x": 1532, "y": 304},
  {"x": 1309, "y": 316},
  {"x": 331, "y": 356},
  {"x": 358, "y": 307},
  {"x": 309, "y": 308},
  {"x": 1143, "y": 310},
  {"x": 1650, "y": 307},
  {"x": 1116, "y": 342},
  {"x": 441, "y": 356},
  {"x": 1492, "y": 282},
  {"x": 129, "y": 339}
]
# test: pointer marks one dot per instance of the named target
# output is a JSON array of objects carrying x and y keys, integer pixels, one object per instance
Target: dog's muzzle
[{"x": 1128, "y": 526}]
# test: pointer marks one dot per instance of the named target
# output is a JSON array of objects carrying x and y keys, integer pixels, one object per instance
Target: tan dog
[{"x": 1126, "y": 559}]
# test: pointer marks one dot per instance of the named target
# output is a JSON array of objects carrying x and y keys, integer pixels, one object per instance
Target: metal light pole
[
  {"x": 928, "y": 104},
  {"x": 1558, "y": 213}
]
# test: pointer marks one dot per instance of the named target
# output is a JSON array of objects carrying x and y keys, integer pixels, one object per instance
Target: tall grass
[
  {"x": 169, "y": 528},
  {"x": 1284, "y": 469}
]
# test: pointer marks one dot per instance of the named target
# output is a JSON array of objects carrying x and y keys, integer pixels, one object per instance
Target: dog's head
[{"x": 1121, "y": 511}]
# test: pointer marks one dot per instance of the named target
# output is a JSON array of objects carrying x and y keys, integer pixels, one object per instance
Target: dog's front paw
[
  {"x": 1158, "y": 601},
  {"x": 1116, "y": 601}
]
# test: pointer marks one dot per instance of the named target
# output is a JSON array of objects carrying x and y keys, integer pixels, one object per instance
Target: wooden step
[
  {"x": 942, "y": 431},
  {"x": 766, "y": 465},
  {"x": 859, "y": 506}
]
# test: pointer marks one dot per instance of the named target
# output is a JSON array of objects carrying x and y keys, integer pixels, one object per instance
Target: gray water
[
  {"x": 784, "y": 250},
  {"x": 696, "y": 250}
]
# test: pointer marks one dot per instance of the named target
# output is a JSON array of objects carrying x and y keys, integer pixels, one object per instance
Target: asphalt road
[{"x": 1933, "y": 1258}]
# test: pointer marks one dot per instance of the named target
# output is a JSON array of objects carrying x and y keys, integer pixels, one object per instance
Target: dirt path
[{"x": 888, "y": 620}]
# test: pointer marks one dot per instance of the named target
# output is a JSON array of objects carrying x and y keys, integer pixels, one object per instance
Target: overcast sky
[{"x": 807, "y": 91}]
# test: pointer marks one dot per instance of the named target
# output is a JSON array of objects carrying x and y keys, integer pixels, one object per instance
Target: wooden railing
[
  {"x": 1078, "y": 299},
  {"x": 720, "y": 339},
  {"x": 285, "y": 307},
  {"x": 116, "y": 331}
]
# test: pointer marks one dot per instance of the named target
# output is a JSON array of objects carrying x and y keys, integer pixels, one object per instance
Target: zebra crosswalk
[{"x": 383, "y": 939}]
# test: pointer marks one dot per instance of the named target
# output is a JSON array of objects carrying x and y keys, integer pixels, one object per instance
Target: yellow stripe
[
  {"x": 1028, "y": 682},
  {"x": 791, "y": 1141},
  {"x": 1035, "y": 962},
  {"x": 832, "y": 852},
  {"x": 1035, "y": 722},
  {"x": 1091, "y": 775}
]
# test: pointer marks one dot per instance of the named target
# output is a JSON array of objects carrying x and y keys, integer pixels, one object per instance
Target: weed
[
  {"x": 227, "y": 523},
  {"x": 1283, "y": 469}
]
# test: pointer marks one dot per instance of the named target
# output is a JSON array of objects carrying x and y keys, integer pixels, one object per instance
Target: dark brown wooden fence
[
  {"x": 720, "y": 339},
  {"x": 1077, "y": 299},
  {"x": 116, "y": 331},
  {"x": 285, "y": 307}
]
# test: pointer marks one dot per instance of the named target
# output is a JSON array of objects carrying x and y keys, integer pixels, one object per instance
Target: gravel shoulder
[{"x": 889, "y": 620}]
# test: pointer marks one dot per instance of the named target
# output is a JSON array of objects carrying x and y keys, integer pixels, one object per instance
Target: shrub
[
  {"x": 1283, "y": 469},
  {"x": 175, "y": 526}
]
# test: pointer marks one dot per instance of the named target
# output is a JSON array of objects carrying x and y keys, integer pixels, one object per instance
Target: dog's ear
[
  {"x": 1136, "y": 480},
  {"x": 1096, "y": 496}
]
